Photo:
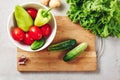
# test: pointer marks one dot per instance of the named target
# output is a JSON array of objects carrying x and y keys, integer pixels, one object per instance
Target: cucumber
[
  {"x": 75, "y": 52},
  {"x": 65, "y": 45},
  {"x": 37, "y": 44}
]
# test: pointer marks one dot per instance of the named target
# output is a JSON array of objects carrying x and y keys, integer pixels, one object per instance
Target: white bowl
[{"x": 11, "y": 23}]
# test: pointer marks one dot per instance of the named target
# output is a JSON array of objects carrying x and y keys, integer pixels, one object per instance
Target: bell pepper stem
[{"x": 45, "y": 13}]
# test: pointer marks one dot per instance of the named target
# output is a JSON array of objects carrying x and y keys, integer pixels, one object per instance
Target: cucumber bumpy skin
[
  {"x": 75, "y": 52},
  {"x": 65, "y": 45},
  {"x": 37, "y": 44}
]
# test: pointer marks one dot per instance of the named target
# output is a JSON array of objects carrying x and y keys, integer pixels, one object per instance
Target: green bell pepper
[
  {"x": 23, "y": 19},
  {"x": 43, "y": 17}
]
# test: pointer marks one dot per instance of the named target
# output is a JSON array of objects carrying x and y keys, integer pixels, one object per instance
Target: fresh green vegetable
[
  {"x": 75, "y": 52},
  {"x": 43, "y": 17},
  {"x": 65, "y": 45},
  {"x": 101, "y": 17},
  {"x": 23, "y": 19},
  {"x": 37, "y": 44}
]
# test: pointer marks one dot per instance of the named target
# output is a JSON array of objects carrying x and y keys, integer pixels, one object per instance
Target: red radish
[
  {"x": 46, "y": 30},
  {"x": 35, "y": 33},
  {"x": 28, "y": 39},
  {"x": 32, "y": 12},
  {"x": 18, "y": 34}
]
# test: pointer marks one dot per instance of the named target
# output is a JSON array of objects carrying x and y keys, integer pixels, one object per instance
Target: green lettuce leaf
[{"x": 101, "y": 17}]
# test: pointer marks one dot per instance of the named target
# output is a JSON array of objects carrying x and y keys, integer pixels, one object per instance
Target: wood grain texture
[{"x": 53, "y": 61}]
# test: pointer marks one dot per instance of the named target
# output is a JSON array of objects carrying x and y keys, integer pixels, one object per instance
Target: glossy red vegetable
[
  {"x": 28, "y": 39},
  {"x": 32, "y": 12},
  {"x": 35, "y": 33},
  {"x": 18, "y": 34},
  {"x": 46, "y": 30}
]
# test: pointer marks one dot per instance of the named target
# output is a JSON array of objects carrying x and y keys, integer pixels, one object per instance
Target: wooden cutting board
[{"x": 53, "y": 61}]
